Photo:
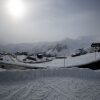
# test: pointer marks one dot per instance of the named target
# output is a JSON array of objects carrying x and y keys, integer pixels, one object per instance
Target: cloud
[{"x": 50, "y": 20}]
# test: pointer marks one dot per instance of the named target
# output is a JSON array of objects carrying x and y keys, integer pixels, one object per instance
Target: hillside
[{"x": 57, "y": 47}]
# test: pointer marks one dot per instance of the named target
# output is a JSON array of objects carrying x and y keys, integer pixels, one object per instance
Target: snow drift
[{"x": 15, "y": 76}]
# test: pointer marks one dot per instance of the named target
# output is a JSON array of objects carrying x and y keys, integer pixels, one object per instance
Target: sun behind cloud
[{"x": 16, "y": 8}]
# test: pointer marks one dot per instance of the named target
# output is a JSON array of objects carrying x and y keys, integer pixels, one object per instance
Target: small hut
[{"x": 96, "y": 47}]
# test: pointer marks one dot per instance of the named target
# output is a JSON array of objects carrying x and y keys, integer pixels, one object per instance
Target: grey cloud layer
[{"x": 49, "y": 20}]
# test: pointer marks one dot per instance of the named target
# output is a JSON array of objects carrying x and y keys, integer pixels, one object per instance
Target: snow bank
[{"x": 15, "y": 76}]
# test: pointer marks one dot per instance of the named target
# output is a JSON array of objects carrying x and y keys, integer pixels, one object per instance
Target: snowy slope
[{"x": 70, "y": 61}]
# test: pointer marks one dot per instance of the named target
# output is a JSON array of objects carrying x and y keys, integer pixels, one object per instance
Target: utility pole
[
  {"x": 95, "y": 53},
  {"x": 65, "y": 56},
  {"x": 64, "y": 61}
]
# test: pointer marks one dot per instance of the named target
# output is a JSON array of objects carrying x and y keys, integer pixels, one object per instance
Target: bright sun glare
[{"x": 15, "y": 8}]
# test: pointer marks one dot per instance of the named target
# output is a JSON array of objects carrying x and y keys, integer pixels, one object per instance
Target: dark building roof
[{"x": 95, "y": 45}]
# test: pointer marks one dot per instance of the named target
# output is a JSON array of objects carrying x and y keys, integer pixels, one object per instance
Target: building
[{"x": 96, "y": 46}]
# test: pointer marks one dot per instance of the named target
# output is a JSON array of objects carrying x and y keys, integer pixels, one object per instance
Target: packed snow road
[
  {"x": 52, "y": 84},
  {"x": 52, "y": 89}
]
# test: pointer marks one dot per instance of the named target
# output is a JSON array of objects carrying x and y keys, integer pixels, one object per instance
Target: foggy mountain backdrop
[{"x": 66, "y": 44}]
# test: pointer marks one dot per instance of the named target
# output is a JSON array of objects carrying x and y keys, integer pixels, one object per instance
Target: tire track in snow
[
  {"x": 29, "y": 89},
  {"x": 5, "y": 91},
  {"x": 36, "y": 90},
  {"x": 14, "y": 93},
  {"x": 55, "y": 89},
  {"x": 58, "y": 90}
]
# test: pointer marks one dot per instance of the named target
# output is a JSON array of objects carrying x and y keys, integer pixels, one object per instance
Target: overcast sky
[{"x": 50, "y": 20}]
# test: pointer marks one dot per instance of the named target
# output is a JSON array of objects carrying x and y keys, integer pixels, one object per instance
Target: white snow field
[
  {"x": 50, "y": 84},
  {"x": 71, "y": 61},
  {"x": 56, "y": 63}
]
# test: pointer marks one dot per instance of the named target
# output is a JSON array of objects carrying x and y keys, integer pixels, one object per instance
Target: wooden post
[
  {"x": 64, "y": 61},
  {"x": 95, "y": 53}
]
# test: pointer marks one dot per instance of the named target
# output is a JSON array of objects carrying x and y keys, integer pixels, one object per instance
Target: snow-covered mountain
[{"x": 57, "y": 47}]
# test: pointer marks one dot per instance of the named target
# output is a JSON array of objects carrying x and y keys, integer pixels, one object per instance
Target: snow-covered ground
[
  {"x": 9, "y": 59},
  {"x": 53, "y": 83},
  {"x": 50, "y": 84},
  {"x": 70, "y": 61},
  {"x": 2, "y": 69}
]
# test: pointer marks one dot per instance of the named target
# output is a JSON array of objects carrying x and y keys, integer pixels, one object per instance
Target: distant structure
[{"x": 96, "y": 47}]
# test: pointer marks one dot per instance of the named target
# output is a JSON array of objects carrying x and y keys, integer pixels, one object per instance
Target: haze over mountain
[{"x": 67, "y": 44}]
